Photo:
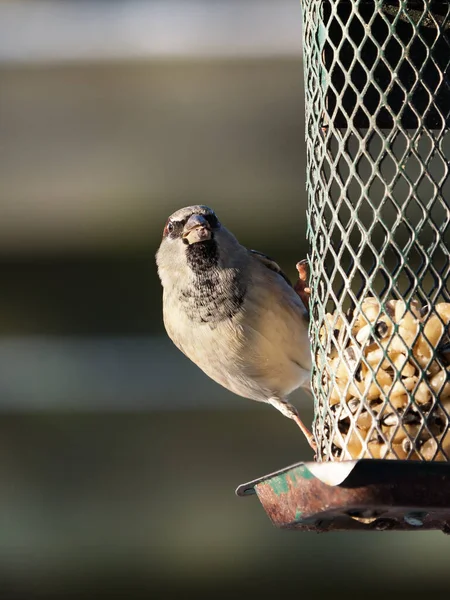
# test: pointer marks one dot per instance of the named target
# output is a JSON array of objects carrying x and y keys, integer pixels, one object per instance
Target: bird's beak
[{"x": 197, "y": 229}]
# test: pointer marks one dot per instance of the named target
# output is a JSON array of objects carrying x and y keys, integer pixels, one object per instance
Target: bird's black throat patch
[
  {"x": 202, "y": 255},
  {"x": 217, "y": 295}
]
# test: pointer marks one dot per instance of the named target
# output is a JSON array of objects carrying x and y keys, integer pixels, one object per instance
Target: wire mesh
[{"x": 378, "y": 147}]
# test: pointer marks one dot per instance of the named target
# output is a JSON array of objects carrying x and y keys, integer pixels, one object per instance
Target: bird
[{"x": 233, "y": 312}]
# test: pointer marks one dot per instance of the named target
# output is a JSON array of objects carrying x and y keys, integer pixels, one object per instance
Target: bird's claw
[{"x": 301, "y": 286}]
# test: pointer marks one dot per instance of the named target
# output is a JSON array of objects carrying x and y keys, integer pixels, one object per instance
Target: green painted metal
[
  {"x": 281, "y": 483},
  {"x": 377, "y": 92},
  {"x": 365, "y": 495}
]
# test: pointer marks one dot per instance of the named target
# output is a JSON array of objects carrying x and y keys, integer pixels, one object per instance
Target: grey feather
[{"x": 270, "y": 264}]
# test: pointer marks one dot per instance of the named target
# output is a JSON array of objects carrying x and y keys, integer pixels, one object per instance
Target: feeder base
[{"x": 364, "y": 495}]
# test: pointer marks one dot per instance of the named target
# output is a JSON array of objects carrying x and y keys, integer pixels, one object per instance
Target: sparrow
[{"x": 233, "y": 312}]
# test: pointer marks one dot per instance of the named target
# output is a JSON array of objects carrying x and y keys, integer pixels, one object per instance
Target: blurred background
[{"x": 119, "y": 459}]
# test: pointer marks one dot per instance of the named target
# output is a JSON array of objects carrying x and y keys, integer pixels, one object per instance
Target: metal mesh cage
[{"x": 378, "y": 148}]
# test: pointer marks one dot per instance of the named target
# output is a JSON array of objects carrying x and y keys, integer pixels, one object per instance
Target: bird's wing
[{"x": 270, "y": 264}]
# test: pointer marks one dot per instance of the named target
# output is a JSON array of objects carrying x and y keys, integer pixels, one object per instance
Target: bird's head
[
  {"x": 193, "y": 242},
  {"x": 191, "y": 225}
]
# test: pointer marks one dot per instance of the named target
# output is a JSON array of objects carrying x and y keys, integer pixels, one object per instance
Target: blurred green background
[{"x": 119, "y": 458}]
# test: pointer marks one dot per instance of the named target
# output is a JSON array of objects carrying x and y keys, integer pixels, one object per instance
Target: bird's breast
[{"x": 212, "y": 297}]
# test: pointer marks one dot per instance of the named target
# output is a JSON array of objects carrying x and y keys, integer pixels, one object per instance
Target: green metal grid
[{"x": 378, "y": 149}]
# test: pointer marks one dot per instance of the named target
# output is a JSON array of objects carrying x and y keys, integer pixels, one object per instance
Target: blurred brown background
[{"x": 119, "y": 459}]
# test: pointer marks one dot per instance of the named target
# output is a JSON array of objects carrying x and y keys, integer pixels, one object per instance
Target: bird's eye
[
  {"x": 168, "y": 229},
  {"x": 212, "y": 220}
]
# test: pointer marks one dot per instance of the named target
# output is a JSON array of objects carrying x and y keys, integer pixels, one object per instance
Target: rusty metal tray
[{"x": 364, "y": 495}]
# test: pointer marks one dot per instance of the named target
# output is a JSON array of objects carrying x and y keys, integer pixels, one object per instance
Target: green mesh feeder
[
  {"x": 378, "y": 150},
  {"x": 377, "y": 115}
]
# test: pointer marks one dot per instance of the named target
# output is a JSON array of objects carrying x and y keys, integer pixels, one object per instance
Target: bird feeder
[{"x": 377, "y": 92}]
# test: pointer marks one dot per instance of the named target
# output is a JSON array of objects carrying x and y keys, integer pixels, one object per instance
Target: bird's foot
[
  {"x": 306, "y": 432},
  {"x": 301, "y": 286},
  {"x": 291, "y": 412}
]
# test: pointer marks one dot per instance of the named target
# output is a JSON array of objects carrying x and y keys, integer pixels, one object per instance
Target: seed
[
  {"x": 440, "y": 385},
  {"x": 390, "y": 371},
  {"x": 415, "y": 308},
  {"x": 375, "y": 357},
  {"x": 427, "y": 406},
  {"x": 373, "y": 450},
  {"x": 397, "y": 344},
  {"x": 372, "y": 389},
  {"x": 400, "y": 309},
  {"x": 390, "y": 308},
  {"x": 335, "y": 396},
  {"x": 335, "y": 451},
  {"x": 433, "y": 330},
  {"x": 398, "y": 402},
  {"x": 424, "y": 310},
  {"x": 411, "y": 417},
  {"x": 375, "y": 437},
  {"x": 407, "y": 445},
  {"x": 429, "y": 449},
  {"x": 350, "y": 352},
  {"x": 395, "y": 452},
  {"x": 422, "y": 394},
  {"x": 398, "y": 435},
  {"x": 340, "y": 413},
  {"x": 443, "y": 310},
  {"x": 353, "y": 445},
  {"x": 371, "y": 312},
  {"x": 364, "y": 334},
  {"x": 370, "y": 300},
  {"x": 409, "y": 383},
  {"x": 390, "y": 420},
  {"x": 405, "y": 368},
  {"x": 353, "y": 404},
  {"x": 408, "y": 329},
  {"x": 359, "y": 374},
  {"x": 365, "y": 420},
  {"x": 381, "y": 329},
  {"x": 433, "y": 368}
]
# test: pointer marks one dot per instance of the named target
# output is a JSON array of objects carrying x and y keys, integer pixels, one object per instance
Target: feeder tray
[{"x": 363, "y": 495}]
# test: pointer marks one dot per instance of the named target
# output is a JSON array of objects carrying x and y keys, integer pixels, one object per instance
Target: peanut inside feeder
[{"x": 387, "y": 381}]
